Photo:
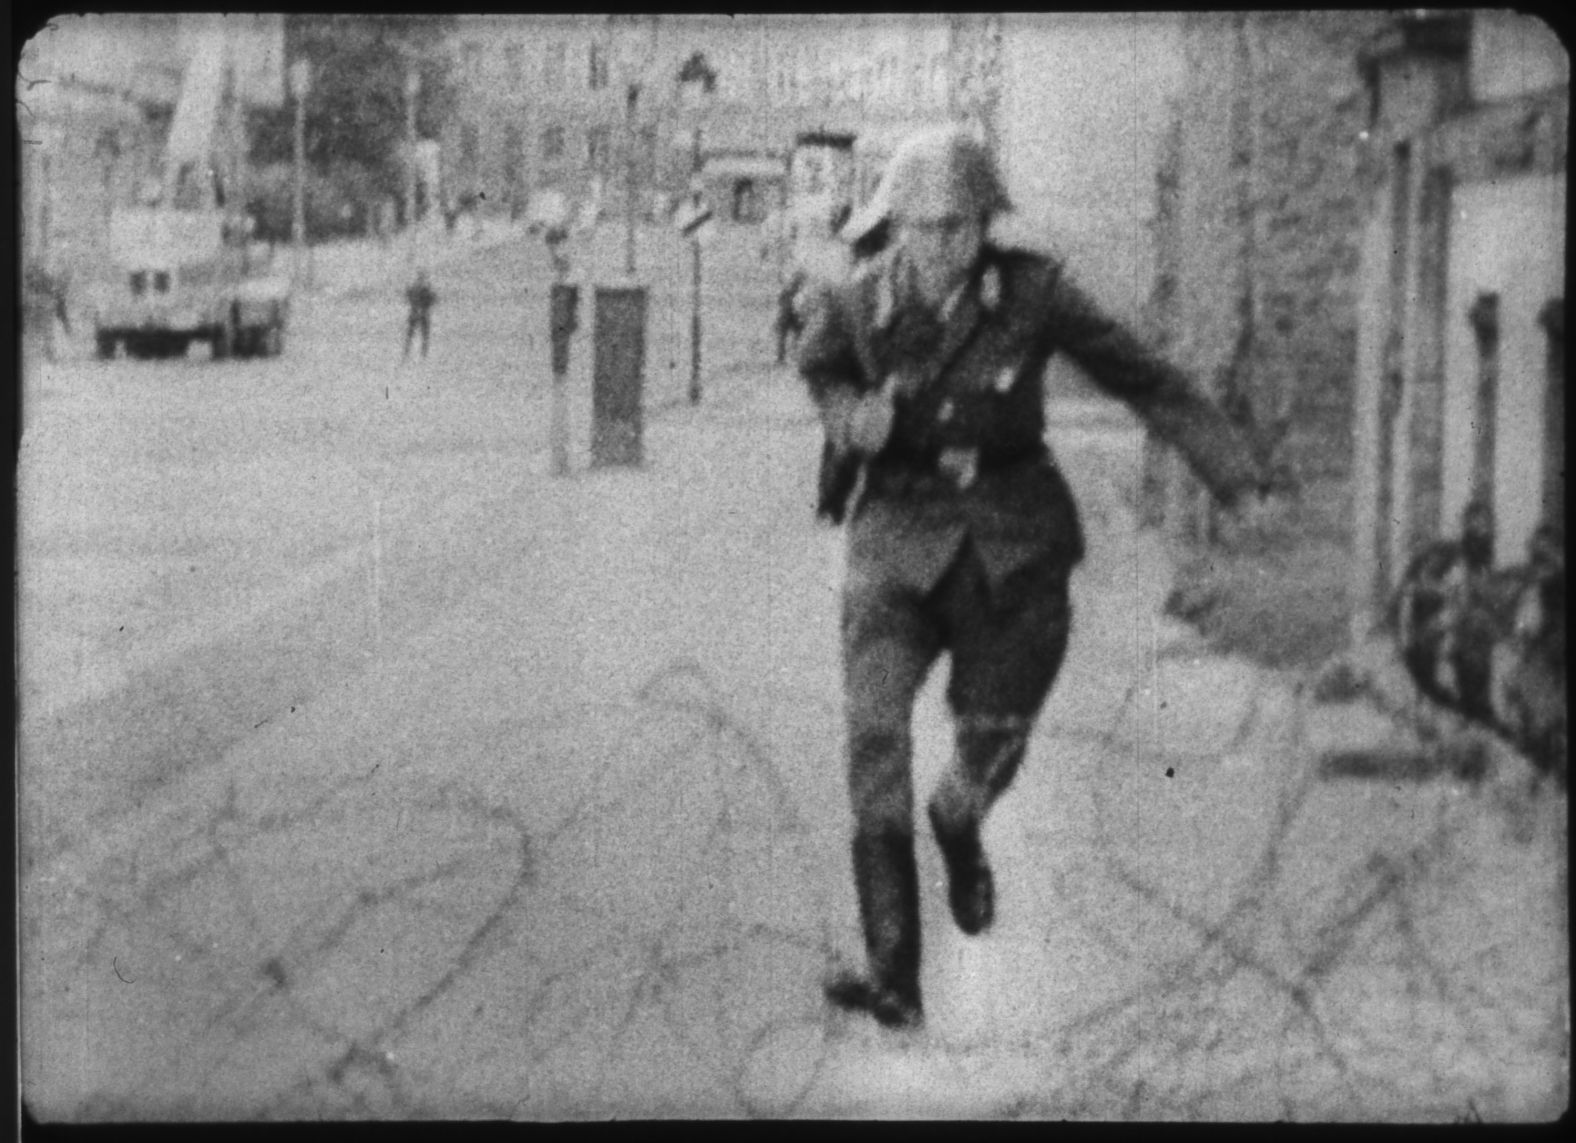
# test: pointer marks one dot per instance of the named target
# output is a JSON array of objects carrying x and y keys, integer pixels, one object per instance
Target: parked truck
[
  {"x": 181, "y": 276},
  {"x": 183, "y": 264}
]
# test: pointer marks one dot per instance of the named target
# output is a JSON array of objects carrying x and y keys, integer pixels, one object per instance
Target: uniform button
[{"x": 944, "y": 414}]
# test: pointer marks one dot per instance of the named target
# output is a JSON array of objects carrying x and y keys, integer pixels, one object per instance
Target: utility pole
[
  {"x": 696, "y": 81},
  {"x": 631, "y": 99},
  {"x": 412, "y": 90},
  {"x": 695, "y": 186},
  {"x": 300, "y": 83},
  {"x": 635, "y": 40}
]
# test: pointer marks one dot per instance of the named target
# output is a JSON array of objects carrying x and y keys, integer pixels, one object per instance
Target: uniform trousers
[
  {"x": 418, "y": 322},
  {"x": 1007, "y": 642}
]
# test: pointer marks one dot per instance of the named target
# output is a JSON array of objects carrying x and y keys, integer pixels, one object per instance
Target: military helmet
[
  {"x": 944, "y": 171},
  {"x": 934, "y": 173}
]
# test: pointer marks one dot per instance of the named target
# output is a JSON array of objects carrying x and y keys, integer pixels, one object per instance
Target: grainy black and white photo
[{"x": 837, "y": 566}]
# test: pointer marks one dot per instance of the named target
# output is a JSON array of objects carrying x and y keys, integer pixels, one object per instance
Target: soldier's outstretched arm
[
  {"x": 1173, "y": 407},
  {"x": 854, "y": 411}
]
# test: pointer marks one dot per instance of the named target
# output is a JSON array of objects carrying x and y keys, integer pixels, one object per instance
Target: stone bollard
[
  {"x": 563, "y": 321},
  {"x": 618, "y": 374}
]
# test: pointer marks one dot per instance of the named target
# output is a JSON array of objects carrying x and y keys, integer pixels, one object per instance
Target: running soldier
[{"x": 926, "y": 364}]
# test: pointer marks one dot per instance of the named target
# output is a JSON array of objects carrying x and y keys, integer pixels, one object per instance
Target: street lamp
[
  {"x": 300, "y": 85},
  {"x": 636, "y": 36},
  {"x": 696, "y": 80},
  {"x": 632, "y": 97}
]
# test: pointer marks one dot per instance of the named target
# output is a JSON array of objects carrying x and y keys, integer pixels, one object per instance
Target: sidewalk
[{"x": 579, "y": 850}]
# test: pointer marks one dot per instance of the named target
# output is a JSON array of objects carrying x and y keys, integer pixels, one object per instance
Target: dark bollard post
[
  {"x": 1484, "y": 318},
  {"x": 694, "y": 386},
  {"x": 563, "y": 318},
  {"x": 1552, "y": 318},
  {"x": 618, "y": 366},
  {"x": 690, "y": 227}
]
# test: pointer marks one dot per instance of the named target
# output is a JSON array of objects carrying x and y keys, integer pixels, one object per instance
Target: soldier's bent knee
[{"x": 991, "y": 747}]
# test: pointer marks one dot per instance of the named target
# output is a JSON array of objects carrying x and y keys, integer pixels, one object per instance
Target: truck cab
[{"x": 179, "y": 276}]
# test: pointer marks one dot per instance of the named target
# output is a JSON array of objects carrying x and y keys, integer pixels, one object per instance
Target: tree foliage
[{"x": 355, "y": 109}]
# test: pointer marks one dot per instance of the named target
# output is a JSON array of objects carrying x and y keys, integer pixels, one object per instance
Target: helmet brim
[{"x": 864, "y": 221}]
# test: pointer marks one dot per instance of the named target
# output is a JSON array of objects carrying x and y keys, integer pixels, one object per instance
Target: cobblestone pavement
[{"x": 579, "y": 850}]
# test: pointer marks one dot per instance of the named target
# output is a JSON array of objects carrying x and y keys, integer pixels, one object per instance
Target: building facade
[
  {"x": 1360, "y": 247},
  {"x": 94, "y": 99},
  {"x": 545, "y": 101},
  {"x": 1258, "y": 235},
  {"x": 1460, "y": 356}
]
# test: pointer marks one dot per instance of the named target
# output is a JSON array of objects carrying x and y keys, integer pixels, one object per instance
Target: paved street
[{"x": 368, "y": 771}]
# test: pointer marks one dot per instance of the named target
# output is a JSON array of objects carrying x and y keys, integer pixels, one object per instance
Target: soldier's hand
[
  {"x": 1258, "y": 518},
  {"x": 870, "y": 422}
]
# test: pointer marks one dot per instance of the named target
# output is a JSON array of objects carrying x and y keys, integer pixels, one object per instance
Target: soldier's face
[{"x": 942, "y": 247}]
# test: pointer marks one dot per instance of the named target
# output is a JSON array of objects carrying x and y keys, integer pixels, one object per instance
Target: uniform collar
[
  {"x": 984, "y": 280},
  {"x": 956, "y": 296}
]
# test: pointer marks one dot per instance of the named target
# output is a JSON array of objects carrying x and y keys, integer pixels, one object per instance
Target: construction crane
[{"x": 183, "y": 267}]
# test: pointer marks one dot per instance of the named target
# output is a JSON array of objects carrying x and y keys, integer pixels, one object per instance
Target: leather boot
[
  {"x": 990, "y": 750},
  {"x": 971, "y": 891},
  {"x": 887, "y": 879}
]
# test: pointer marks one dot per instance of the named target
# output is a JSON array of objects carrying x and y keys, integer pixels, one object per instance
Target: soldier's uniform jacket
[
  {"x": 421, "y": 298},
  {"x": 967, "y": 456}
]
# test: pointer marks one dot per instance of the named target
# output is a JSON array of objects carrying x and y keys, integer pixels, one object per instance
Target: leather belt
[
  {"x": 959, "y": 465},
  {"x": 958, "y": 468}
]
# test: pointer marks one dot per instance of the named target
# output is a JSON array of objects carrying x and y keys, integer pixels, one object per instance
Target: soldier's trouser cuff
[{"x": 886, "y": 878}]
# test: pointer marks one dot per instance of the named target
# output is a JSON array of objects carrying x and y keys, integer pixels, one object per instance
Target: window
[
  {"x": 886, "y": 76},
  {"x": 646, "y": 160},
  {"x": 513, "y": 152},
  {"x": 553, "y": 143},
  {"x": 553, "y": 67},
  {"x": 514, "y": 64},
  {"x": 597, "y": 147},
  {"x": 938, "y": 79},
  {"x": 597, "y": 77},
  {"x": 108, "y": 145},
  {"x": 747, "y": 205},
  {"x": 471, "y": 59},
  {"x": 784, "y": 81},
  {"x": 470, "y": 143}
]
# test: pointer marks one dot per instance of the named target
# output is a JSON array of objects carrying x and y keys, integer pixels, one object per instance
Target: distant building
[
  {"x": 1258, "y": 234},
  {"x": 1080, "y": 118},
  {"x": 543, "y": 101},
  {"x": 94, "y": 96},
  {"x": 1460, "y": 354}
]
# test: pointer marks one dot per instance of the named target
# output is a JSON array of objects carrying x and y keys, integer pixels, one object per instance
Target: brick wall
[{"x": 1260, "y": 206}]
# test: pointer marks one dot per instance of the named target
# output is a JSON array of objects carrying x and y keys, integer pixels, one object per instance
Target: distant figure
[
  {"x": 45, "y": 302},
  {"x": 1490, "y": 644},
  {"x": 421, "y": 298},
  {"x": 556, "y": 237},
  {"x": 1436, "y": 615},
  {"x": 1527, "y": 661},
  {"x": 790, "y": 322},
  {"x": 60, "y": 291}
]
